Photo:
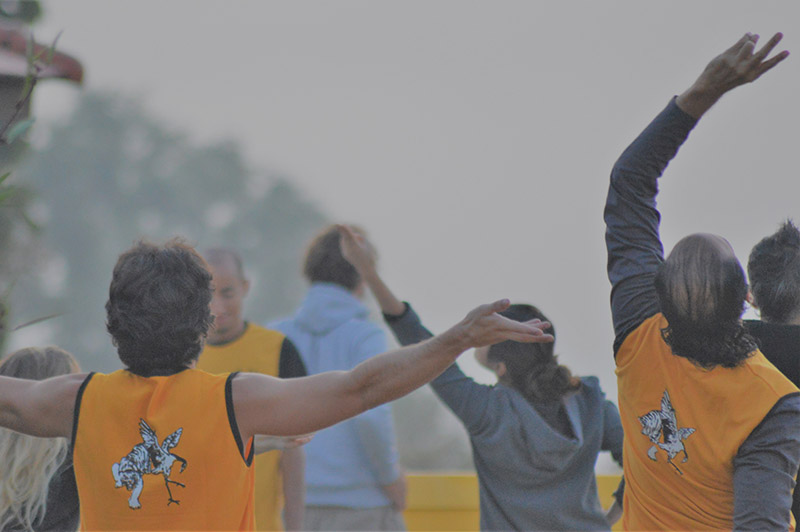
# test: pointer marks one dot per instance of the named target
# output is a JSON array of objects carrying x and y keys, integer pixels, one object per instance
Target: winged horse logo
[
  {"x": 148, "y": 458},
  {"x": 664, "y": 422}
]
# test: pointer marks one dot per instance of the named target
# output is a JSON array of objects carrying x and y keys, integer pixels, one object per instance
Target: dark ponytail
[{"x": 533, "y": 369}]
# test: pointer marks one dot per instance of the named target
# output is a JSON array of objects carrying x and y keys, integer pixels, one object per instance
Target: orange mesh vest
[
  {"x": 258, "y": 350},
  {"x": 683, "y": 427},
  {"x": 159, "y": 453}
]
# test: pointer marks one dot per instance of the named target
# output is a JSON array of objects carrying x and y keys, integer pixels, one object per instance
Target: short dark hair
[
  {"x": 158, "y": 307},
  {"x": 774, "y": 271},
  {"x": 324, "y": 262},
  {"x": 702, "y": 294},
  {"x": 532, "y": 368}
]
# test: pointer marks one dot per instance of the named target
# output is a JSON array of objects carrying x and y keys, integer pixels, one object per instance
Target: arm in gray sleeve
[
  {"x": 632, "y": 221},
  {"x": 765, "y": 468},
  {"x": 466, "y": 398},
  {"x": 612, "y": 432}
]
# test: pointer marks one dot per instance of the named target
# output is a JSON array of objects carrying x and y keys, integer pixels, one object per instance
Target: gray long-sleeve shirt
[
  {"x": 766, "y": 463},
  {"x": 530, "y": 475}
]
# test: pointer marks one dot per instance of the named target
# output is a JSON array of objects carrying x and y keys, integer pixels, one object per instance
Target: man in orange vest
[
  {"x": 162, "y": 446},
  {"x": 234, "y": 344},
  {"x": 712, "y": 429}
]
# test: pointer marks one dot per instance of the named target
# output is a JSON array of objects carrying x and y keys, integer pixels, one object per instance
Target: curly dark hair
[
  {"x": 774, "y": 271},
  {"x": 532, "y": 369},
  {"x": 702, "y": 293},
  {"x": 324, "y": 262},
  {"x": 158, "y": 307}
]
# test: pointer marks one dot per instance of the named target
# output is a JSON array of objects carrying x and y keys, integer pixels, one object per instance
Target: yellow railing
[{"x": 449, "y": 501}]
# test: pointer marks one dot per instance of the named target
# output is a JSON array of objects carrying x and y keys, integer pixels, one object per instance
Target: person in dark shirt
[
  {"x": 37, "y": 482},
  {"x": 774, "y": 272}
]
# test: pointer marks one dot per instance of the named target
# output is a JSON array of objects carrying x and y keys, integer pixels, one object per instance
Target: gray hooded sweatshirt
[{"x": 531, "y": 477}]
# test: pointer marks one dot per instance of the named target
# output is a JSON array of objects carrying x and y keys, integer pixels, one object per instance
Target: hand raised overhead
[
  {"x": 736, "y": 66},
  {"x": 356, "y": 249}
]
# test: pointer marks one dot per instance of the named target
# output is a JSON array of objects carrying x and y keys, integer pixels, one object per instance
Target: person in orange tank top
[
  {"x": 162, "y": 446},
  {"x": 712, "y": 429}
]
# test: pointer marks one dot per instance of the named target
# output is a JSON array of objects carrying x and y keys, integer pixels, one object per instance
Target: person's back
[
  {"x": 533, "y": 476},
  {"x": 774, "y": 272},
  {"x": 174, "y": 459},
  {"x": 332, "y": 332},
  {"x": 37, "y": 486},
  {"x": 535, "y": 454}
]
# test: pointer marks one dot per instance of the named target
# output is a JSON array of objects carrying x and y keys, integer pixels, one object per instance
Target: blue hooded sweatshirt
[{"x": 346, "y": 464}]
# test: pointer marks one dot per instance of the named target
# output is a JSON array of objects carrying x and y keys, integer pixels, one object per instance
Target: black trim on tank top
[
  {"x": 77, "y": 412},
  {"x": 232, "y": 420}
]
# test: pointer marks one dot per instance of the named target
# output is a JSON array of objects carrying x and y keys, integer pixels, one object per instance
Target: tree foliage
[{"x": 110, "y": 175}]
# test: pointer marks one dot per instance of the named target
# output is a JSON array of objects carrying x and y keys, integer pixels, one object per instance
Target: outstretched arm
[
  {"x": 632, "y": 221},
  {"x": 265, "y": 405},
  {"x": 40, "y": 408}
]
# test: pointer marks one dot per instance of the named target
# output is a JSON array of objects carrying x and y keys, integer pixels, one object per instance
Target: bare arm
[
  {"x": 265, "y": 405},
  {"x": 40, "y": 408},
  {"x": 293, "y": 467}
]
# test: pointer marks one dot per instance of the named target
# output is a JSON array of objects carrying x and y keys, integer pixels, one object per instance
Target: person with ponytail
[
  {"x": 37, "y": 481},
  {"x": 535, "y": 435}
]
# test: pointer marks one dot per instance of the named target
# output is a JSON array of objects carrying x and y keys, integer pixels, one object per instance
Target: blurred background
[{"x": 472, "y": 140}]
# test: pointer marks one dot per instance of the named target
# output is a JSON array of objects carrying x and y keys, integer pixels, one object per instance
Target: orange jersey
[
  {"x": 161, "y": 453},
  {"x": 683, "y": 427},
  {"x": 257, "y": 351}
]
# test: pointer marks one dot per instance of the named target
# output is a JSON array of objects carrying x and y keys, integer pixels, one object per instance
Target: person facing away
[
  {"x": 160, "y": 445},
  {"x": 535, "y": 435},
  {"x": 37, "y": 484},
  {"x": 353, "y": 476},
  {"x": 774, "y": 272},
  {"x": 234, "y": 344},
  {"x": 712, "y": 429}
]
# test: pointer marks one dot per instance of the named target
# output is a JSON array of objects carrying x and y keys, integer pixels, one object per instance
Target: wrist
[
  {"x": 455, "y": 340},
  {"x": 698, "y": 99}
]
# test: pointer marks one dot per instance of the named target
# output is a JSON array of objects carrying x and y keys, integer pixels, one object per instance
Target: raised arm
[
  {"x": 632, "y": 221},
  {"x": 266, "y": 405},
  {"x": 467, "y": 399}
]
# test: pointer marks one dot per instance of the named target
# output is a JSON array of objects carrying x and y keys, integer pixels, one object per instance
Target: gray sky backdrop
[{"x": 472, "y": 139}]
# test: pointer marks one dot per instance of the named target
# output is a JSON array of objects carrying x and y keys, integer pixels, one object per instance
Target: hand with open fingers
[
  {"x": 356, "y": 249},
  {"x": 736, "y": 66},
  {"x": 484, "y": 326},
  {"x": 740, "y": 64}
]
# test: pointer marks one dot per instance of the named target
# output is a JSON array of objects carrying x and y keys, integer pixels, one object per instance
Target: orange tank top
[
  {"x": 683, "y": 427},
  {"x": 258, "y": 350},
  {"x": 161, "y": 453}
]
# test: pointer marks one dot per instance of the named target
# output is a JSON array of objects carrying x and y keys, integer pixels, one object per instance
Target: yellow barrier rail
[{"x": 449, "y": 501}]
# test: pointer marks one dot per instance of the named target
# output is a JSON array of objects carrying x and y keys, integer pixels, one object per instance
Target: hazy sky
[{"x": 472, "y": 139}]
